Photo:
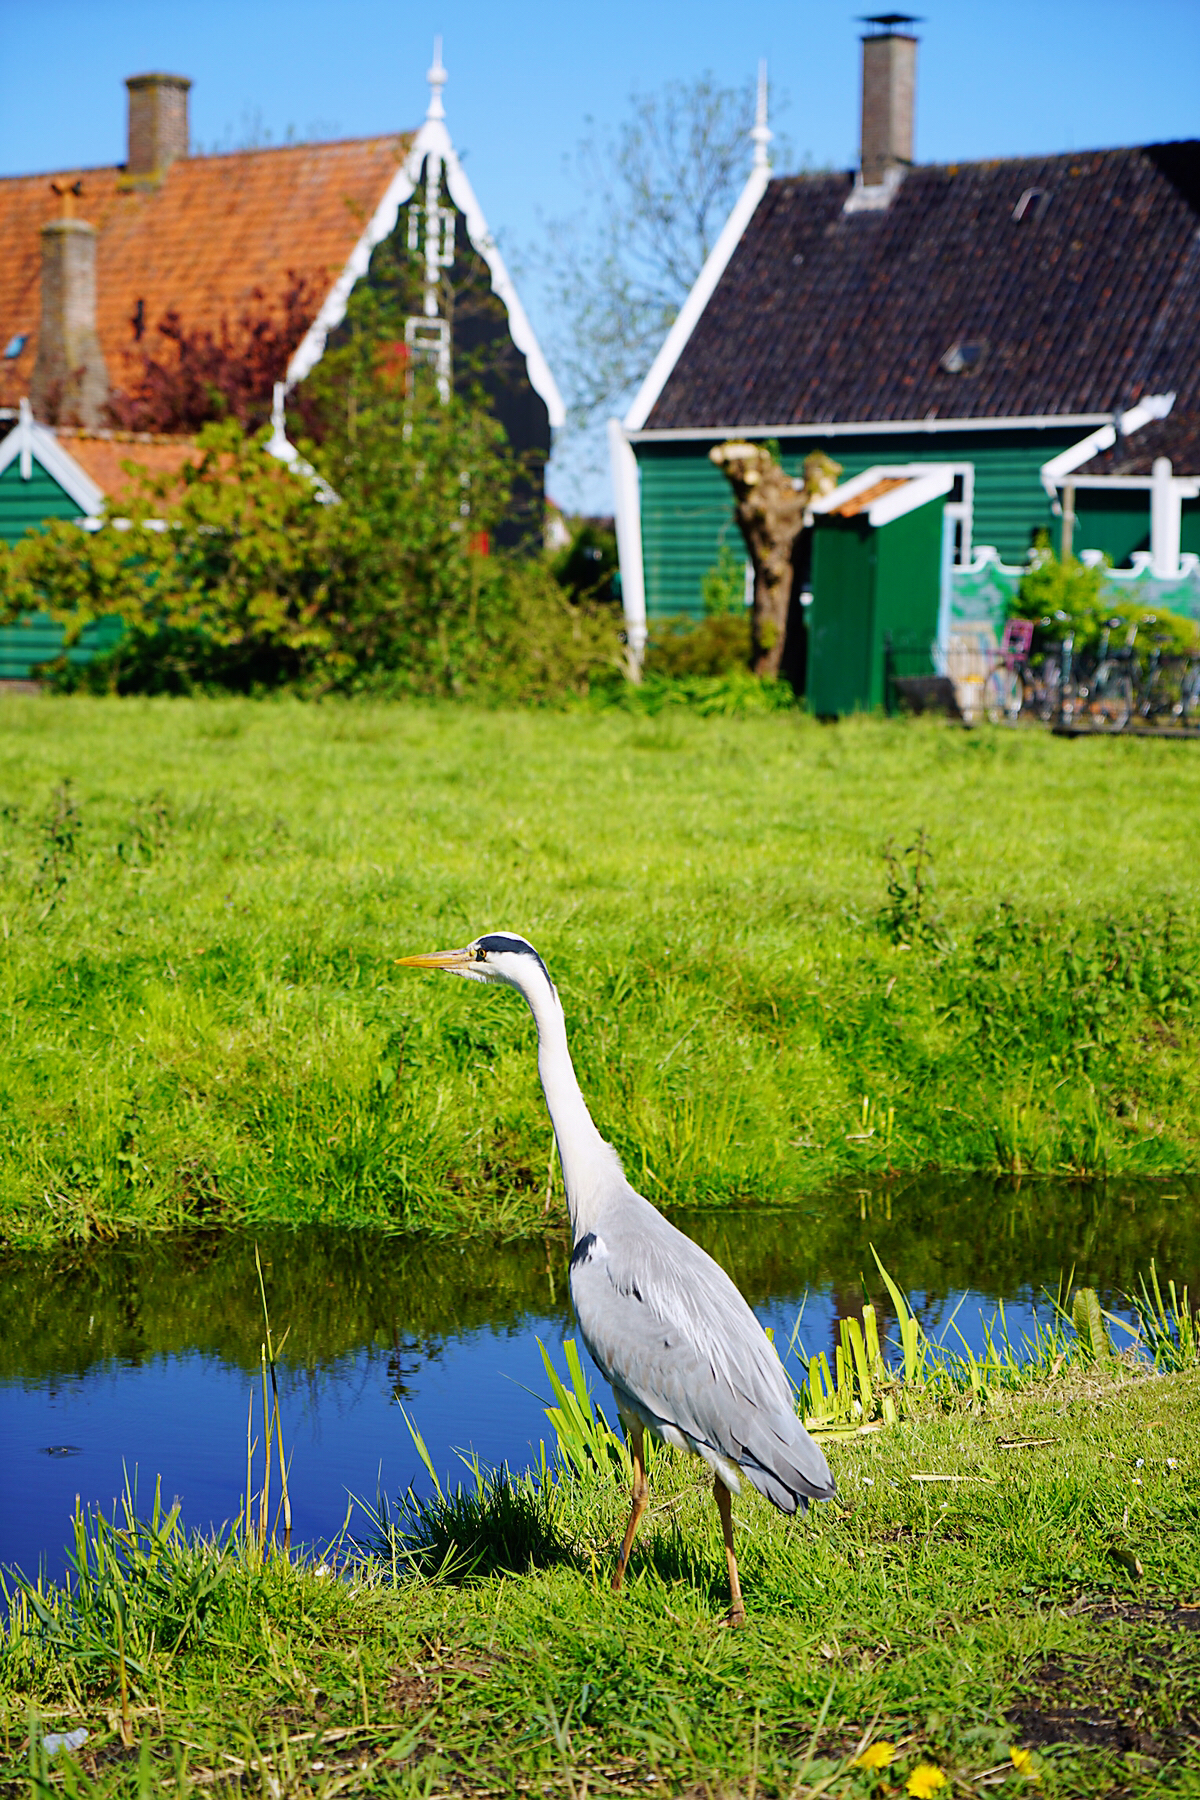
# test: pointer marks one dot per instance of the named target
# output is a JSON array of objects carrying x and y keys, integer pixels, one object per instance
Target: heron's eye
[{"x": 480, "y": 953}]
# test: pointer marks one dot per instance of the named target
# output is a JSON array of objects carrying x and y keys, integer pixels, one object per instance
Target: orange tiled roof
[
  {"x": 214, "y": 230},
  {"x": 101, "y": 454}
]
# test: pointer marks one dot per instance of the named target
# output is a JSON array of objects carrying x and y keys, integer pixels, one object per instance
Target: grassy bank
[
  {"x": 200, "y": 904},
  {"x": 1017, "y": 1573}
]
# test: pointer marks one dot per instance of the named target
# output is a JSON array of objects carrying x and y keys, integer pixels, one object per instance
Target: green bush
[
  {"x": 1054, "y": 586},
  {"x": 244, "y": 575},
  {"x": 713, "y": 646},
  {"x": 724, "y": 586}
]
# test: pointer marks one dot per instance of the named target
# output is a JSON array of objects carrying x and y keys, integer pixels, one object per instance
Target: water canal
[{"x": 142, "y": 1358}]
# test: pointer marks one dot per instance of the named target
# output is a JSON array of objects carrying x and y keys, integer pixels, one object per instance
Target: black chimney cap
[{"x": 887, "y": 22}]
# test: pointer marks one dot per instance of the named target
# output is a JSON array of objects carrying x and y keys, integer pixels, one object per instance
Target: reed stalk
[
  {"x": 269, "y": 1352},
  {"x": 264, "y": 1504}
]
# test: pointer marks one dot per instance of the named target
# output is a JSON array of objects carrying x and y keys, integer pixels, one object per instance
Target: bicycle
[
  {"x": 1109, "y": 693},
  {"x": 1170, "y": 688},
  {"x": 1157, "y": 697},
  {"x": 1189, "y": 696},
  {"x": 1010, "y": 676},
  {"x": 1055, "y": 693}
]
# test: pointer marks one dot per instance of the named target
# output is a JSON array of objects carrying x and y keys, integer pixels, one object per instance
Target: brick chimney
[
  {"x": 158, "y": 124},
  {"x": 889, "y": 88},
  {"x": 69, "y": 385}
]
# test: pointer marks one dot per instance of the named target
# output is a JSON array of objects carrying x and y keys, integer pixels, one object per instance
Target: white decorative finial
[
  {"x": 762, "y": 134},
  {"x": 437, "y": 81}
]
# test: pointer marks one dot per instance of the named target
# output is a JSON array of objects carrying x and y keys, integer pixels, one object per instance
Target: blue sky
[{"x": 996, "y": 77}]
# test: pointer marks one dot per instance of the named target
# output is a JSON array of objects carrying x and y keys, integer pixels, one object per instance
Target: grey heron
[{"x": 686, "y": 1358}]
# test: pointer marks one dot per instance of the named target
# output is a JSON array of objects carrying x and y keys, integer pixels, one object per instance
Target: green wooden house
[
  {"x": 48, "y": 474},
  {"x": 976, "y": 315}
]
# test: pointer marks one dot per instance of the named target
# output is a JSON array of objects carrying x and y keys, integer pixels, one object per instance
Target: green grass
[
  {"x": 1045, "y": 1599},
  {"x": 201, "y": 1020}
]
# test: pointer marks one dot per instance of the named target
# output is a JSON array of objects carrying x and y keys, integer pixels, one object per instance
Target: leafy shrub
[
  {"x": 182, "y": 377},
  {"x": 242, "y": 574},
  {"x": 724, "y": 586},
  {"x": 586, "y": 568},
  {"x": 1052, "y": 586},
  {"x": 684, "y": 647}
]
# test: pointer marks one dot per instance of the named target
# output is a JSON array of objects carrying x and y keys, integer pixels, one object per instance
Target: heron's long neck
[{"x": 583, "y": 1153}]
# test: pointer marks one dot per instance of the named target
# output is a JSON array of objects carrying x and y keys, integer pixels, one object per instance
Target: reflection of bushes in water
[
  {"x": 338, "y": 1290},
  {"x": 332, "y": 1290},
  {"x": 945, "y": 1233}
]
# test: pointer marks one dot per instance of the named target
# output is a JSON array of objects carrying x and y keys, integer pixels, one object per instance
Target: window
[
  {"x": 964, "y": 358},
  {"x": 959, "y": 513}
]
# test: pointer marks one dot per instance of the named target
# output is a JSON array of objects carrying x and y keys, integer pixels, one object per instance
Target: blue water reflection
[
  {"x": 183, "y": 1418},
  {"x": 143, "y": 1358}
]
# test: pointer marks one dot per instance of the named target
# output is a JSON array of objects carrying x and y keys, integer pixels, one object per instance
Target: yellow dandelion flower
[
  {"x": 1022, "y": 1761},
  {"x": 877, "y": 1756},
  {"x": 925, "y": 1780}
]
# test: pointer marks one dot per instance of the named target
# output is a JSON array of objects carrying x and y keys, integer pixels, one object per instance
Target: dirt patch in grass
[
  {"x": 1173, "y": 1618},
  {"x": 1092, "y": 1702}
]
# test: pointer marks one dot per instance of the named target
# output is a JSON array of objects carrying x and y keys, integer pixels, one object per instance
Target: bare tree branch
[{"x": 655, "y": 193}]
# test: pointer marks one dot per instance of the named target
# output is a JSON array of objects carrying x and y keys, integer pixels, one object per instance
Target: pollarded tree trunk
[{"x": 771, "y": 511}]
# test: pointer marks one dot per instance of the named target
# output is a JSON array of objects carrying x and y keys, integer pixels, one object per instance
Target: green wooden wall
[
  {"x": 1117, "y": 522},
  {"x": 25, "y": 504},
  {"x": 687, "y": 512},
  {"x": 1189, "y": 527},
  {"x": 37, "y": 639}
]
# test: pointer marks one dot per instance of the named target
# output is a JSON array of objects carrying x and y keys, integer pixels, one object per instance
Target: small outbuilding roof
[{"x": 1019, "y": 288}]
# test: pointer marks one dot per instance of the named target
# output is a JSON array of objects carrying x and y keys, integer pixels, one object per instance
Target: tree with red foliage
[{"x": 194, "y": 376}]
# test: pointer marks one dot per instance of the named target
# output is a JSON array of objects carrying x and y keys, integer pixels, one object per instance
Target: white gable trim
[
  {"x": 33, "y": 442},
  {"x": 689, "y": 313},
  {"x": 1056, "y": 471},
  {"x": 463, "y": 196},
  {"x": 311, "y": 348},
  {"x": 433, "y": 138}
]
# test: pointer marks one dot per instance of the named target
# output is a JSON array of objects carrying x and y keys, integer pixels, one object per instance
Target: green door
[{"x": 840, "y": 619}]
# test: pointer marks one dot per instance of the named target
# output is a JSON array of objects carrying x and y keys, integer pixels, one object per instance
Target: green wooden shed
[{"x": 877, "y": 553}]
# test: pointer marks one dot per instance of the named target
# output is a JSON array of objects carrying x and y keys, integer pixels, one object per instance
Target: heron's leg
[
  {"x": 724, "y": 1500},
  {"x": 637, "y": 1449}
]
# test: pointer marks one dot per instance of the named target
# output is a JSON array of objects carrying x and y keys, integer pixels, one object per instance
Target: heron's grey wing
[{"x": 666, "y": 1325}]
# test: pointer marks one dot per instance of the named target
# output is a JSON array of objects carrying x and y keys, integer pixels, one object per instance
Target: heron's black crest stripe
[
  {"x": 497, "y": 941},
  {"x": 583, "y": 1248}
]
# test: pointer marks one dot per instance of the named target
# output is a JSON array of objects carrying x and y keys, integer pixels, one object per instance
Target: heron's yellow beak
[{"x": 453, "y": 960}]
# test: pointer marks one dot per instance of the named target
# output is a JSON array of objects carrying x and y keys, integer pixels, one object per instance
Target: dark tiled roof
[
  {"x": 1177, "y": 436},
  {"x": 1089, "y": 301}
]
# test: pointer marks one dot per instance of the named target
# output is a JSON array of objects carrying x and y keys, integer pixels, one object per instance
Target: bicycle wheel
[
  {"x": 1046, "y": 701},
  {"x": 1001, "y": 695},
  {"x": 1112, "y": 700},
  {"x": 1190, "y": 710}
]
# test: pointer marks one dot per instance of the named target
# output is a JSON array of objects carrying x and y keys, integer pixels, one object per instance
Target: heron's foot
[{"x": 737, "y": 1615}]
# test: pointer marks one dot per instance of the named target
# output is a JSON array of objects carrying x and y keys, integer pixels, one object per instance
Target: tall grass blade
[{"x": 423, "y": 1452}]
